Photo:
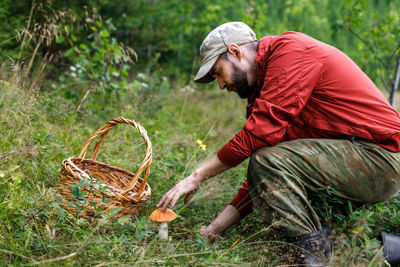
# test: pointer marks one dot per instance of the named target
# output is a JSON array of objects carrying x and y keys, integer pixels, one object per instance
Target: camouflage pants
[{"x": 281, "y": 176}]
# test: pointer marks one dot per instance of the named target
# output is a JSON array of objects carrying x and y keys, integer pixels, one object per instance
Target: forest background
[{"x": 67, "y": 67}]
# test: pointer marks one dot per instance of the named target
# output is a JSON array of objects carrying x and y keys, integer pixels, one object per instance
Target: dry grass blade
[
  {"x": 55, "y": 259},
  {"x": 42, "y": 29}
]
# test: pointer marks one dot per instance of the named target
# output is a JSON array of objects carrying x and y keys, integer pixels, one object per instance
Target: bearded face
[
  {"x": 241, "y": 83},
  {"x": 232, "y": 76}
]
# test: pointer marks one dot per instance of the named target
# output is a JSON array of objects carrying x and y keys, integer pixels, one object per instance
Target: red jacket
[{"x": 309, "y": 89}]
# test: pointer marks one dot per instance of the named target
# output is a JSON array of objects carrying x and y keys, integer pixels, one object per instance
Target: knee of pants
[
  {"x": 265, "y": 166},
  {"x": 266, "y": 157}
]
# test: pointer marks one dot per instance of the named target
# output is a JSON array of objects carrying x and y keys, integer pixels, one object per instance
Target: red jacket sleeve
[
  {"x": 242, "y": 202},
  {"x": 289, "y": 80},
  {"x": 239, "y": 148}
]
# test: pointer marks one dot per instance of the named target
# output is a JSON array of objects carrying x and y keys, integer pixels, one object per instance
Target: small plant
[
  {"x": 142, "y": 229},
  {"x": 327, "y": 202},
  {"x": 361, "y": 221},
  {"x": 81, "y": 197},
  {"x": 201, "y": 145}
]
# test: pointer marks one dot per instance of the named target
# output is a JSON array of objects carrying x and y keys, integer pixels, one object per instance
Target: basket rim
[
  {"x": 119, "y": 193},
  {"x": 103, "y": 131}
]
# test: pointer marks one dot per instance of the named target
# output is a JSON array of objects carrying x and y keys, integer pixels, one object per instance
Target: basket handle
[{"x": 145, "y": 165}]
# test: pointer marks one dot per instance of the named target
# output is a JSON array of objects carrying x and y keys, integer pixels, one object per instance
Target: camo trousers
[{"x": 280, "y": 178}]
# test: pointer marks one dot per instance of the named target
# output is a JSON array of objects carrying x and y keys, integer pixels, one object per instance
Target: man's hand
[
  {"x": 208, "y": 234},
  {"x": 191, "y": 184},
  {"x": 187, "y": 186}
]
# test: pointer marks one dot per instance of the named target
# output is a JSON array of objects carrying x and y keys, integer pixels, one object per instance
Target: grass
[{"x": 40, "y": 127}]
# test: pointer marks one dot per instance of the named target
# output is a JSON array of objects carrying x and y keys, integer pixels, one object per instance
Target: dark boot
[
  {"x": 391, "y": 249},
  {"x": 317, "y": 247}
]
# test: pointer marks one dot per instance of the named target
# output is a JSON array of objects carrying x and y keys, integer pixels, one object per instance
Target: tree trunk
[{"x": 395, "y": 83}]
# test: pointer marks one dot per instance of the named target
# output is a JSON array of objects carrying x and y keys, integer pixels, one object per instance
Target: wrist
[
  {"x": 216, "y": 228},
  {"x": 198, "y": 177},
  {"x": 213, "y": 229}
]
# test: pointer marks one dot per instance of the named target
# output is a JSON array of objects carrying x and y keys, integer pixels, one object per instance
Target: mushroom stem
[{"x": 163, "y": 231}]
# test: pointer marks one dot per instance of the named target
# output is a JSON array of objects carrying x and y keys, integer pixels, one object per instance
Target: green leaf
[
  {"x": 62, "y": 211},
  {"x": 75, "y": 191},
  {"x": 358, "y": 229},
  {"x": 350, "y": 206},
  {"x": 104, "y": 34},
  {"x": 114, "y": 211},
  {"x": 60, "y": 39}
]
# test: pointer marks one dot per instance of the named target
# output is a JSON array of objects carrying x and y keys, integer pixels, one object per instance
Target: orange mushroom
[{"x": 163, "y": 217}]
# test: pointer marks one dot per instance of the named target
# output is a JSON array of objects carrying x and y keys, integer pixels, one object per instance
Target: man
[{"x": 314, "y": 120}]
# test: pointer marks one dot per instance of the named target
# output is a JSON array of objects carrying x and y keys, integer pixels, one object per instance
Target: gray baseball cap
[{"x": 217, "y": 42}]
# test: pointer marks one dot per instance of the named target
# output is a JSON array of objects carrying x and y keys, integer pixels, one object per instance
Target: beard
[{"x": 241, "y": 83}]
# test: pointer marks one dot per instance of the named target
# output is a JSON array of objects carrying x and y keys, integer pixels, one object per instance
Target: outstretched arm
[
  {"x": 191, "y": 184},
  {"x": 239, "y": 208}
]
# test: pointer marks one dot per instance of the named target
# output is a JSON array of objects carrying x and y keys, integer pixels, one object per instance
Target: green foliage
[
  {"x": 325, "y": 203},
  {"x": 378, "y": 32},
  {"x": 101, "y": 61},
  {"x": 168, "y": 34},
  {"x": 359, "y": 226},
  {"x": 13, "y": 15}
]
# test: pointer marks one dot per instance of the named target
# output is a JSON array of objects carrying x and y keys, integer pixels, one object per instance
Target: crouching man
[{"x": 314, "y": 119}]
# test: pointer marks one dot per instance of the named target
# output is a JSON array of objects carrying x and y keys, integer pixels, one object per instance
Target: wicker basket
[{"x": 126, "y": 190}]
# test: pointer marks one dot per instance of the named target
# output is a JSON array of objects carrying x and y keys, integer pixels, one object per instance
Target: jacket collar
[{"x": 263, "y": 52}]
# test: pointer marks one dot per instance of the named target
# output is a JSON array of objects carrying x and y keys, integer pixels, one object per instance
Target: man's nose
[{"x": 221, "y": 83}]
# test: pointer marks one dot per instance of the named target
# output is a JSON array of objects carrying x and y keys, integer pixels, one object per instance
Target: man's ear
[{"x": 235, "y": 50}]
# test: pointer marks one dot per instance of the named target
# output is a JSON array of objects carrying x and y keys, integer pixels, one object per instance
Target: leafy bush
[{"x": 103, "y": 61}]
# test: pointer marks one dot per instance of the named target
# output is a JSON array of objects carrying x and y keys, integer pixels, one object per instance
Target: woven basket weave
[{"x": 126, "y": 190}]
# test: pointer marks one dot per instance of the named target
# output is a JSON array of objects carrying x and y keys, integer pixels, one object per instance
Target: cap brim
[{"x": 203, "y": 75}]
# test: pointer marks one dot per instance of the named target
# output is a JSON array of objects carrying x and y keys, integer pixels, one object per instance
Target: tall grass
[{"x": 39, "y": 128}]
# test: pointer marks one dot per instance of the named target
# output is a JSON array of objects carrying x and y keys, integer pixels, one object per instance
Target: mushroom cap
[{"x": 162, "y": 216}]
